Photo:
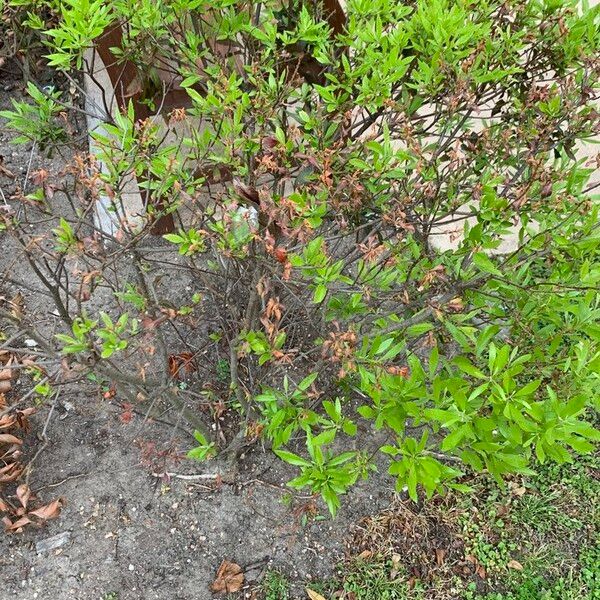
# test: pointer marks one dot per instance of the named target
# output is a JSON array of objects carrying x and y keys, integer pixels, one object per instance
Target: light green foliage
[
  {"x": 66, "y": 240},
  {"x": 109, "y": 338},
  {"x": 285, "y": 411},
  {"x": 275, "y": 586},
  {"x": 325, "y": 472},
  {"x": 189, "y": 242},
  {"x": 260, "y": 345},
  {"x": 81, "y": 22},
  {"x": 36, "y": 122},
  {"x": 204, "y": 450}
]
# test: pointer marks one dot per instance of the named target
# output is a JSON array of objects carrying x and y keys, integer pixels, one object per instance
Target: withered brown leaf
[
  {"x": 23, "y": 494},
  {"x": 7, "y": 438},
  {"x": 230, "y": 578},
  {"x": 16, "y": 526},
  {"x": 514, "y": 564},
  {"x": 49, "y": 511},
  {"x": 440, "y": 555}
]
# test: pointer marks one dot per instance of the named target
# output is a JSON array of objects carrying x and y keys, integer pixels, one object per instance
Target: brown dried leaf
[
  {"x": 23, "y": 494},
  {"x": 181, "y": 363},
  {"x": 49, "y": 511},
  {"x": 3, "y": 170},
  {"x": 7, "y": 421},
  {"x": 9, "y": 454},
  {"x": 440, "y": 555},
  {"x": 229, "y": 578},
  {"x": 7, "y": 468},
  {"x": 517, "y": 490},
  {"x": 135, "y": 87},
  {"x": 17, "y": 306},
  {"x": 515, "y": 564},
  {"x": 4, "y": 507},
  {"x": 365, "y": 554},
  {"x": 17, "y": 526},
  {"x": 314, "y": 595},
  {"x": 7, "y": 438},
  {"x": 5, "y": 386},
  {"x": 246, "y": 192}
]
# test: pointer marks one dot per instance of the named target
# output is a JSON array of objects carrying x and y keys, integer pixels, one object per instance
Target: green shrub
[{"x": 313, "y": 260}]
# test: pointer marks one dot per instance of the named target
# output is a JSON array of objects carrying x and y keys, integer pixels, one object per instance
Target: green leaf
[
  {"x": 331, "y": 499},
  {"x": 341, "y": 459},
  {"x": 528, "y": 389},
  {"x": 454, "y": 439},
  {"x": 320, "y": 293},
  {"x": 366, "y": 411},
  {"x": 484, "y": 263},
  {"x": 325, "y": 437},
  {"x": 419, "y": 329},
  {"x": 465, "y": 365},
  {"x": 349, "y": 428},
  {"x": 307, "y": 381},
  {"x": 292, "y": 459},
  {"x": 174, "y": 238}
]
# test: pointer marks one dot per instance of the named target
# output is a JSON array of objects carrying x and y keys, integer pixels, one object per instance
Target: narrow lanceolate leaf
[
  {"x": 292, "y": 459},
  {"x": 485, "y": 264},
  {"x": 465, "y": 365}
]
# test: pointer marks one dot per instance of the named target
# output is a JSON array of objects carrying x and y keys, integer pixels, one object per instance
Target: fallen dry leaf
[
  {"x": 229, "y": 578},
  {"x": 3, "y": 170},
  {"x": 10, "y": 472},
  {"x": 314, "y": 595},
  {"x": 440, "y": 555},
  {"x": 365, "y": 554},
  {"x": 7, "y": 438},
  {"x": 515, "y": 564},
  {"x": 181, "y": 363},
  {"x": 49, "y": 511},
  {"x": 396, "y": 558},
  {"x": 127, "y": 415},
  {"x": 17, "y": 306},
  {"x": 23, "y": 494},
  {"x": 17, "y": 526}
]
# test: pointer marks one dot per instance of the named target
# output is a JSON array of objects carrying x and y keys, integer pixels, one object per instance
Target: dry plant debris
[
  {"x": 14, "y": 422},
  {"x": 229, "y": 579}
]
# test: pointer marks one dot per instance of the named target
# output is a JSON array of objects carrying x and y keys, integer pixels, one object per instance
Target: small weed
[
  {"x": 287, "y": 499},
  {"x": 487, "y": 541},
  {"x": 377, "y": 581},
  {"x": 111, "y": 596},
  {"x": 275, "y": 586},
  {"x": 223, "y": 373},
  {"x": 543, "y": 514}
]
